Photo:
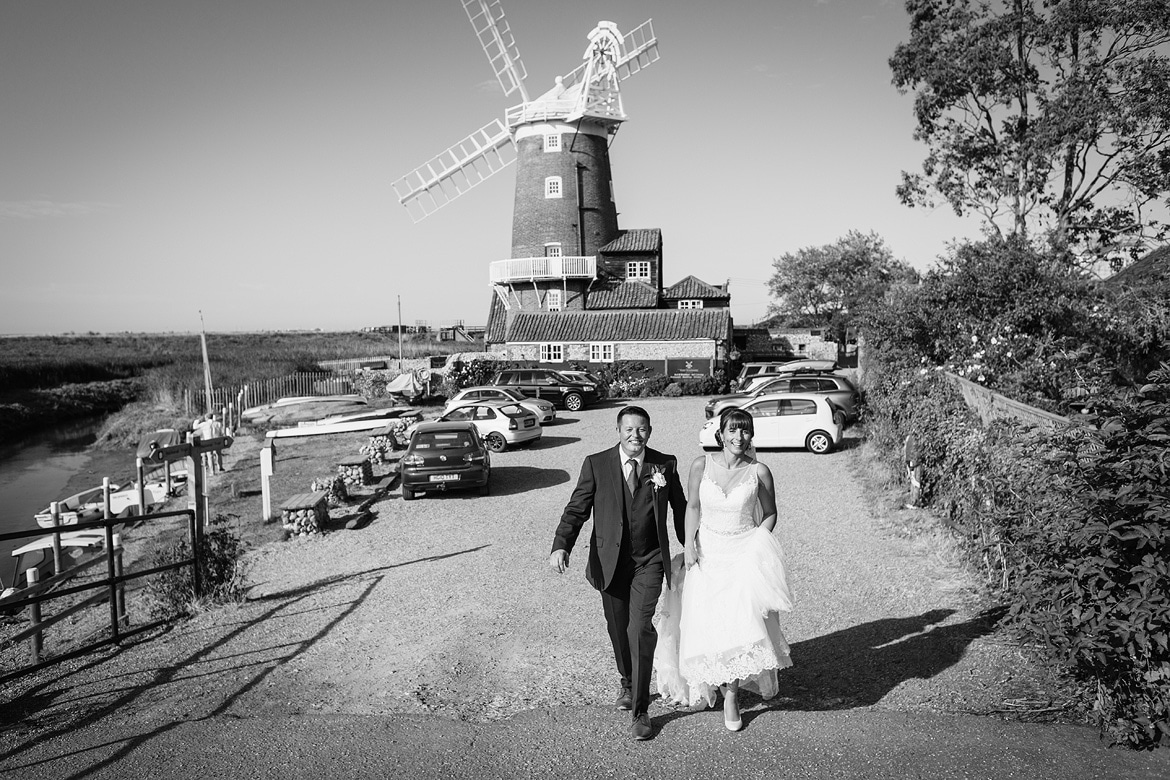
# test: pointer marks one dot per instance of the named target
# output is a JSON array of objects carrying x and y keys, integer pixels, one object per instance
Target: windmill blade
[
  {"x": 487, "y": 17},
  {"x": 639, "y": 48},
  {"x": 445, "y": 177}
]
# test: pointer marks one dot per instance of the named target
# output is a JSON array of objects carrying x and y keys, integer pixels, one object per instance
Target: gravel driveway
[{"x": 445, "y": 605}]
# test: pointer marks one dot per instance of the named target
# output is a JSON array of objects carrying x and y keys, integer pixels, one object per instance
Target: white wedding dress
[{"x": 719, "y": 621}]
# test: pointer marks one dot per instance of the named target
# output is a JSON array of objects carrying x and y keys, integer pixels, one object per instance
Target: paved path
[
  {"x": 584, "y": 742},
  {"x": 433, "y": 643}
]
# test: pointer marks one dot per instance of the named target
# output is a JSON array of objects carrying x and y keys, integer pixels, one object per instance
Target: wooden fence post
[
  {"x": 120, "y": 589},
  {"x": 140, "y": 470},
  {"x": 55, "y": 509},
  {"x": 113, "y": 593},
  {"x": 35, "y": 641}
]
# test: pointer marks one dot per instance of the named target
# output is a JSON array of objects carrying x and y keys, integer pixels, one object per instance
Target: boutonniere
[{"x": 658, "y": 477}]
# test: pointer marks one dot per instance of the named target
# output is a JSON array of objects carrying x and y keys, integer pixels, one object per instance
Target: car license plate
[
  {"x": 444, "y": 477},
  {"x": 528, "y": 423}
]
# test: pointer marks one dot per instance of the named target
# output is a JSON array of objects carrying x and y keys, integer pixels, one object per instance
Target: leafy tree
[
  {"x": 831, "y": 284},
  {"x": 1045, "y": 117}
]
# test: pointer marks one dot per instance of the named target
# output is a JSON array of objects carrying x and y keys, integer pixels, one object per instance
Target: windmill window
[
  {"x": 690, "y": 303},
  {"x": 552, "y": 250},
  {"x": 638, "y": 269},
  {"x": 600, "y": 353},
  {"x": 552, "y": 187},
  {"x": 552, "y": 353},
  {"x": 553, "y": 300},
  {"x": 552, "y": 142}
]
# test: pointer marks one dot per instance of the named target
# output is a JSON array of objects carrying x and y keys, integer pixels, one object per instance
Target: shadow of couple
[{"x": 859, "y": 665}]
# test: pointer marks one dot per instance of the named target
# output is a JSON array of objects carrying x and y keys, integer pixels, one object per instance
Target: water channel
[{"x": 48, "y": 466}]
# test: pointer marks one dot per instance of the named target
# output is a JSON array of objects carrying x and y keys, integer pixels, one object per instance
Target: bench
[{"x": 304, "y": 513}]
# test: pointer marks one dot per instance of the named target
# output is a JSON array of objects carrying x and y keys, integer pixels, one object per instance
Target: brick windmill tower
[{"x": 564, "y": 209}]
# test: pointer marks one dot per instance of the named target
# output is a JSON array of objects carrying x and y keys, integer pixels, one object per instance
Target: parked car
[
  {"x": 500, "y": 423},
  {"x": 755, "y": 382},
  {"x": 445, "y": 456},
  {"x": 792, "y": 420},
  {"x": 750, "y": 371},
  {"x": 584, "y": 377},
  {"x": 544, "y": 410},
  {"x": 549, "y": 385},
  {"x": 835, "y": 387}
]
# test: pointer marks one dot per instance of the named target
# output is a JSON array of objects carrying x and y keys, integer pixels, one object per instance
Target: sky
[{"x": 233, "y": 159}]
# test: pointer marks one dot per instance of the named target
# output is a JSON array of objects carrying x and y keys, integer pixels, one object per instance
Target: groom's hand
[{"x": 558, "y": 561}]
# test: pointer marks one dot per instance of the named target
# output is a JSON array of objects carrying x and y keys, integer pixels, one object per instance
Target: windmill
[{"x": 564, "y": 208}]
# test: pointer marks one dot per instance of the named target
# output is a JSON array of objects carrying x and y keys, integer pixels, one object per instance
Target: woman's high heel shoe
[{"x": 733, "y": 725}]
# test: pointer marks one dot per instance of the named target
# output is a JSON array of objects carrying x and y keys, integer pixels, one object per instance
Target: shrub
[
  {"x": 172, "y": 593},
  {"x": 472, "y": 373},
  {"x": 1071, "y": 528},
  {"x": 673, "y": 390},
  {"x": 1097, "y": 586}
]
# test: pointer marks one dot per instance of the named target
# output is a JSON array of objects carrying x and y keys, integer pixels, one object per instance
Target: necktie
[{"x": 632, "y": 476}]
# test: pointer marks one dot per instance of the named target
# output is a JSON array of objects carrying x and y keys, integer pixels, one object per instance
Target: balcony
[{"x": 532, "y": 269}]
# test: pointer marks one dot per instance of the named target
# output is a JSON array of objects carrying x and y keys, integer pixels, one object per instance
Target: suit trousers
[{"x": 629, "y": 604}]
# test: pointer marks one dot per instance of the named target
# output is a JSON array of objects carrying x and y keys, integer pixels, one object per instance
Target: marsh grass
[{"x": 169, "y": 362}]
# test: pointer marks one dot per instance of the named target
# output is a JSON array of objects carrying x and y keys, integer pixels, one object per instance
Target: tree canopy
[
  {"x": 831, "y": 284},
  {"x": 1049, "y": 118}
]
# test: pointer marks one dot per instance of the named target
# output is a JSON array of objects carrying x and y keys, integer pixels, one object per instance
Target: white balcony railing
[{"x": 528, "y": 269}]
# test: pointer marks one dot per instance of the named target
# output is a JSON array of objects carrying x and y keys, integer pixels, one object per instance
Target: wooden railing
[
  {"x": 108, "y": 590},
  {"x": 524, "y": 269}
]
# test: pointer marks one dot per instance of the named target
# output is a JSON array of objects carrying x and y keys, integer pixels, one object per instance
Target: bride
[{"x": 718, "y": 624}]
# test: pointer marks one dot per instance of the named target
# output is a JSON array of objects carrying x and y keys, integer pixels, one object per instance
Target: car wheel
[
  {"x": 819, "y": 442},
  {"x": 495, "y": 442},
  {"x": 408, "y": 494},
  {"x": 574, "y": 402}
]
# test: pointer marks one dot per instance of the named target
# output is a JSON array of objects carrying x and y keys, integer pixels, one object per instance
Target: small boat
[
  {"x": 90, "y": 504},
  {"x": 77, "y": 508},
  {"x": 372, "y": 414},
  {"x": 76, "y": 547}
]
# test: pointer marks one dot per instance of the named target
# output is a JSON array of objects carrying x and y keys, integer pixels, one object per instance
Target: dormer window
[
  {"x": 691, "y": 303},
  {"x": 638, "y": 269},
  {"x": 552, "y": 187},
  {"x": 552, "y": 142}
]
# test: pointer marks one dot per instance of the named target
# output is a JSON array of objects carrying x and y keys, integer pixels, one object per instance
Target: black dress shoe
[
  {"x": 625, "y": 701},
  {"x": 642, "y": 728}
]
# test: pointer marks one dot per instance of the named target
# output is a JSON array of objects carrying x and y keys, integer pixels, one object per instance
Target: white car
[
  {"x": 791, "y": 420},
  {"x": 544, "y": 410},
  {"x": 500, "y": 423}
]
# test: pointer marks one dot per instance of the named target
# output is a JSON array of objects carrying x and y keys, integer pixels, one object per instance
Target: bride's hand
[{"x": 691, "y": 554}]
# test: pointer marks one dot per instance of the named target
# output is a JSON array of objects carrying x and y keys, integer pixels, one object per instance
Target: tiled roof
[
  {"x": 692, "y": 287},
  {"x": 647, "y": 325},
  {"x": 496, "y": 322},
  {"x": 642, "y": 240},
  {"x": 1151, "y": 268},
  {"x": 621, "y": 294}
]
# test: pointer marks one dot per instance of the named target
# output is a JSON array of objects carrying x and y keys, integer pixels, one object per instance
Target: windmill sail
[
  {"x": 445, "y": 177},
  {"x": 498, "y": 43}
]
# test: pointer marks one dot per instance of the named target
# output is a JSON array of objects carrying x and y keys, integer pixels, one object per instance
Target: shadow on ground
[
  {"x": 858, "y": 666},
  {"x": 64, "y": 689}
]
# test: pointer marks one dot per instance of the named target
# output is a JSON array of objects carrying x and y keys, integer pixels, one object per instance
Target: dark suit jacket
[{"x": 600, "y": 489}]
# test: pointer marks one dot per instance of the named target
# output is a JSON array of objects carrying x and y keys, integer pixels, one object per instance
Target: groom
[{"x": 628, "y": 488}]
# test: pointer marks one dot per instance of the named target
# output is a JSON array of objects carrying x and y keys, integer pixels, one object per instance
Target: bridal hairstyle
[
  {"x": 734, "y": 418},
  {"x": 636, "y": 411}
]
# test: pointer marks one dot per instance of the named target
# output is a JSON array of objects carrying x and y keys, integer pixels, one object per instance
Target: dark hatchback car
[
  {"x": 445, "y": 456},
  {"x": 549, "y": 385}
]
